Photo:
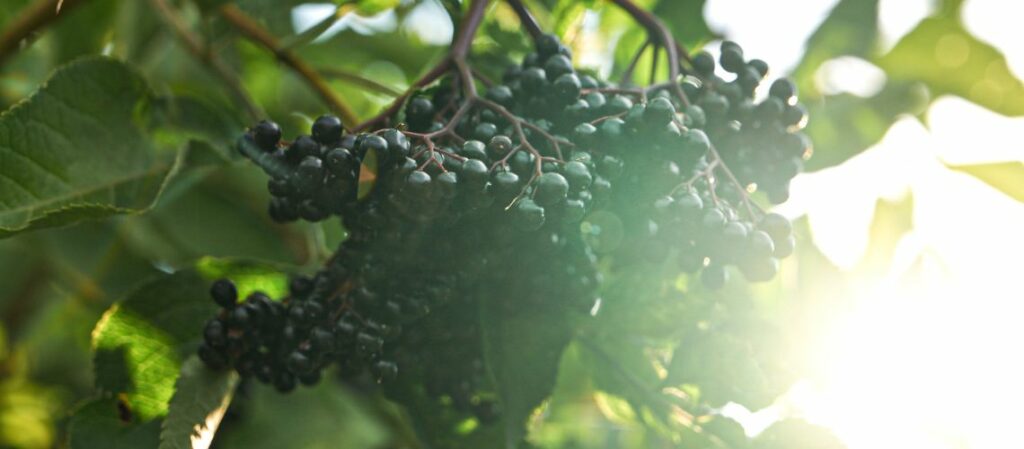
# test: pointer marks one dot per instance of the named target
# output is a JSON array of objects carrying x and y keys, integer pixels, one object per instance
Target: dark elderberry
[
  {"x": 266, "y": 134},
  {"x": 551, "y": 188},
  {"x": 224, "y": 293},
  {"x": 327, "y": 130}
]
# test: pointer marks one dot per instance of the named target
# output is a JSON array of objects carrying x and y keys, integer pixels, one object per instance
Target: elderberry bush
[{"x": 474, "y": 201}]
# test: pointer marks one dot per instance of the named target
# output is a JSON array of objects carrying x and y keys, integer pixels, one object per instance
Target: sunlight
[{"x": 926, "y": 356}]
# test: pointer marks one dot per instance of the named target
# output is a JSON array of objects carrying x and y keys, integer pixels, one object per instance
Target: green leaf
[
  {"x": 686, "y": 20},
  {"x": 942, "y": 54},
  {"x": 223, "y": 215},
  {"x": 522, "y": 349},
  {"x": 201, "y": 398},
  {"x": 844, "y": 125},
  {"x": 850, "y": 29},
  {"x": 371, "y": 7},
  {"x": 102, "y": 423},
  {"x": 140, "y": 343},
  {"x": 84, "y": 30},
  {"x": 323, "y": 416},
  {"x": 73, "y": 151},
  {"x": 797, "y": 434},
  {"x": 1007, "y": 177}
]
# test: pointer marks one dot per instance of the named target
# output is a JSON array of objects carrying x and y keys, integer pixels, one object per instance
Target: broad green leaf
[
  {"x": 522, "y": 349},
  {"x": 181, "y": 118},
  {"x": 103, "y": 423},
  {"x": 222, "y": 215},
  {"x": 1007, "y": 177},
  {"x": 851, "y": 29},
  {"x": 73, "y": 151},
  {"x": 140, "y": 343},
  {"x": 797, "y": 434},
  {"x": 942, "y": 54},
  {"x": 842, "y": 126},
  {"x": 323, "y": 416},
  {"x": 686, "y": 20},
  {"x": 201, "y": 398}
]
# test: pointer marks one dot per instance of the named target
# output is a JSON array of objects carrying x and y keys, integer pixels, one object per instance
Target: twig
[
  {"x": 656, "y": 29},
  {"x": 32, "y": 18},
  {"x": 438, "y": 71},
  {"x": 653, "y": 76},
  {"x": 356, "y": 79},
  {"x": 627, "y": 75},
  {"x": 526, "y": 19},
  {"x": 205, "y": 55},
  {"x": 255, "y": 32}
]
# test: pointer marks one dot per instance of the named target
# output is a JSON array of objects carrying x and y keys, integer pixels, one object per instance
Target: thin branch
[
  {"x": 627, "y": 75},
  {"x": 31, "y": 19},
  {"x": 358, "y": 80},
  {"x": 380, "y": 119},
  {"x": 205, "y": 55},
  {"x": 255, "y": 32},
  {"x": 656, "y": 29},
  {"x": 464, "y": 41},
  {"x": 526, "y": 19}
]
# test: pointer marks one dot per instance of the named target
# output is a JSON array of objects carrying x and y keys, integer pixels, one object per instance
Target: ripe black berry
[
  {"x": 266, "y": 134},
  {"x": 224, "y": 293},
  {"x": 327, "y": 130}
]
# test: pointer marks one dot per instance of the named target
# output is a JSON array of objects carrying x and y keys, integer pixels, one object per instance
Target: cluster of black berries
[
  {"x": 472, "y": 202},
  {"x": 760, "y": 141},
  {"x": 286, "y": 342}
]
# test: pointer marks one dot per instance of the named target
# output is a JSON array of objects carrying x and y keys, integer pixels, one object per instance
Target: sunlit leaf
[
  {"x": 851, "y": 29},
  {"x": 797, "y": 434},
  {"x": 844, "y": 125},
  {"x": 201, "y": 398},
  {"x": 1007, "y": 177},
  {"x": 140, "y": 343},
  {"x": 942, "y": 54}
]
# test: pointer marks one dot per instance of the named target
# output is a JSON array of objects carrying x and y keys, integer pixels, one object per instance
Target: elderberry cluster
[
  {"x": 760, "y": 140},
  {"x": 472, "y": 203}
]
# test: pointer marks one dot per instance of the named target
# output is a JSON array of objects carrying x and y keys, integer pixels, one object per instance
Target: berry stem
[
  {"x": 525, "y": 18},
  {"x": 627, "y": 75},
  {"x": 256, "y": 33},
  {"x": 660, "y": 34}
]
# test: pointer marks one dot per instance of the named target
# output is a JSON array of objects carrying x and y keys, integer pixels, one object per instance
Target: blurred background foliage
[{"x": 645, "y": 379}]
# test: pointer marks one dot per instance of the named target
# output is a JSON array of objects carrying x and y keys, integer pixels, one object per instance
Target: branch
[
  {"x": 464, "y": 41},
  {"x": 34, "y": 17},
  {"x": 205, "y": 55},
  {"x": 525, "y": 18},
  {"x": 254, "y": 32}
]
